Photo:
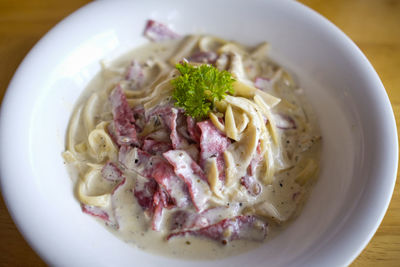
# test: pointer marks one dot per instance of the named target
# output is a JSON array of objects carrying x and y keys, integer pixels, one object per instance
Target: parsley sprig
[{"x": 198, "y": 87}]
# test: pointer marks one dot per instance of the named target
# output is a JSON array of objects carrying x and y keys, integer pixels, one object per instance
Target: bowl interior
[{"x": 359, "y": 142}]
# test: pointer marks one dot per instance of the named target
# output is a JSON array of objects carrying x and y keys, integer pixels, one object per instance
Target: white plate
[{"x": 359, "y": 160}]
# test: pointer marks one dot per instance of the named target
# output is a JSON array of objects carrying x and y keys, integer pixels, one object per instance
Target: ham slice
[
  {"x": 193, "y": 130},
  {"x": 164, "y": 174},
  {"x": 170, "y": 119},
  {"x": 111, "y": 172},
  {"x": 156, "y": 147},
  {"x": 124, "y": 127},
  {"x": 169, "y": 116},
  {"x": 156, "y": 221},
  {"x": 144, "y": 192},
  {"x": 157, "y": 169},
  {"x": 187, "y": 220},
  {"x": 96, "y": 212},
  {"x": 157, "y": 32},
  {"x": 212, "y": 144},
  {"x": 239, "y": 227},
  {"x": 99, "y": 213},
  {"x": 193, "y": 176}
]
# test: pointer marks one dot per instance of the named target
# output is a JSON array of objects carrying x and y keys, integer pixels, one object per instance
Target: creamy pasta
[{"x": 184, "y": 186}]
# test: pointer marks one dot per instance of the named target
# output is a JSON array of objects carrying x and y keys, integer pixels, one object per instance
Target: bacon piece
[
  {"x": 212, "y": 144},
  {"x": 111, "y": 172},
  {"x": 284, "y": 122},
  {"x": 156, "y": 32},
  {"x": 204, "y": 57},
  {"x": 123, "y": 118},
  {"x": 193, "y": 130},
  {"x": 155, "y": 147},
  {"x": 193, "y": 176},
  {"x": 239, "y": 227}
]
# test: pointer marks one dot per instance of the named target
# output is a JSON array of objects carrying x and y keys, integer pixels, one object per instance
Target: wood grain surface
[{"x": 374, "y": 25}]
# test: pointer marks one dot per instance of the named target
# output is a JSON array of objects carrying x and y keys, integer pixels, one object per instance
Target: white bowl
[{"x": 359, "y": 158}]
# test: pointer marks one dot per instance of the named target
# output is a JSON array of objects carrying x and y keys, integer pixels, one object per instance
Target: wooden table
[{"x": 374, "y": 25}]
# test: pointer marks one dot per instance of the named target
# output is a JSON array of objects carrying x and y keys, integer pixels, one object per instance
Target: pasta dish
[{"x": 193, "y": 146}]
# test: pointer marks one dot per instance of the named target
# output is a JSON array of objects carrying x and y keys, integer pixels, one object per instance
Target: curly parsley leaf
[{"x": 198, "y": 87}]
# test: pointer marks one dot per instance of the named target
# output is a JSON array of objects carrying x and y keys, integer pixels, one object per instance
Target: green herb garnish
[{"x": 197, "y": 88}]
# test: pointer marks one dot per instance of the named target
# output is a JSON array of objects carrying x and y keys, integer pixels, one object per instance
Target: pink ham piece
[
  {"x": 193, "y": 130},
  {"x": 111, "y": 172},
  {"x": 212, "y": 144},
  {"x": 123, "y": 118},
  {"x": 154, "y": 167},
  {"x": 187, "y": 220},
  {"x": 96, "y": 212},
  {"x": 157, "y": 32},
  {"x": 239, "y": 227},
  {"x": 193, "y": 176},
  {"x": 152, "y": 200},
  {"x": 156, "y": 147},
  {"x": 144, "y": 193},
  {"x": 169, "y": 116},
  {"x": 177, "y": 140},
  {"x": 99, "y": 213},
  {"x": 161, "y": 200},
  {"x": 158, "y": 212},
  {"x": 166, "y": 178}
]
